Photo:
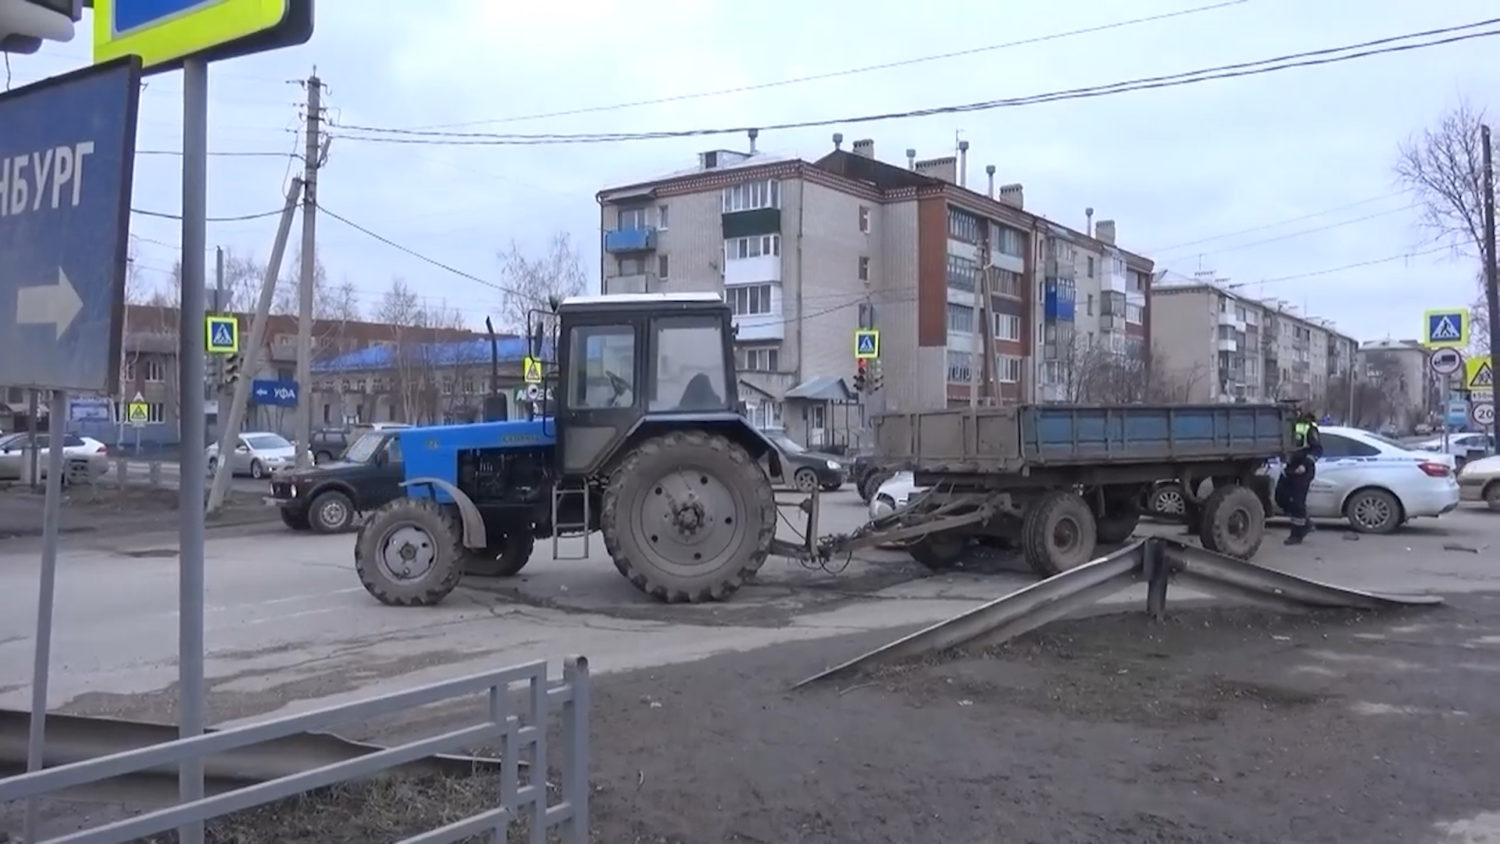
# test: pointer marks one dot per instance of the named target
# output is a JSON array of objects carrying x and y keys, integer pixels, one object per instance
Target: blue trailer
[{"x": 1056, "y": 480}]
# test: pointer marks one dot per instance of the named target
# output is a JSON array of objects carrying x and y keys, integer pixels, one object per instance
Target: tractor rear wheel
[
  {"x": 688, "y": 516},
  {"x": 409, "y": 553},
  {"x": 506, "y": 556}
]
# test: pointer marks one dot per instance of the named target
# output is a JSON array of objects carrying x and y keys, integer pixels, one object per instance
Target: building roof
[
  {"x": 438, "y": 354},
  {"x": 821, "y": 388},
  {"x": 1283, "y": 310}
]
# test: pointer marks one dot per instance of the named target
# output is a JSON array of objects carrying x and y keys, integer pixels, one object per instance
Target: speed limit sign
[{"x": 1483, "y": 414}]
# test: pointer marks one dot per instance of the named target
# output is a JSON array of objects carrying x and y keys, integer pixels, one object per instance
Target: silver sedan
[{"x": 256, "y": 454}]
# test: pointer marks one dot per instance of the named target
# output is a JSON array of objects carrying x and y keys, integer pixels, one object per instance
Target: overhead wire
[
  {"x": 232, "y": 219},
  {"x": 1302, "y": 232},
  {"x": 1307, "y": 58},
  {"x": 1165, "y": 250},
  {"x": 816, "y": 77}
]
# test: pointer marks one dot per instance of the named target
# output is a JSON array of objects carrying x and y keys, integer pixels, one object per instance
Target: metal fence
[{"x": 523, "y": 788}]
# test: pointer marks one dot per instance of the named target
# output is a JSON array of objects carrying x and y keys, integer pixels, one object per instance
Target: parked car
[
  {"x": 328, "y": 443},
  {"x": 85, "y": 451},
  {"x": 257, "y": 454},
  {"x": 894, "y": 494},
  {"x": 326, "y": 498},
  {"x": 1479, "y": 480},
  {"x": 1374, "y": 482},
  {"x": 808, "y": 469},
  {"x": 1460, "y": 446}
]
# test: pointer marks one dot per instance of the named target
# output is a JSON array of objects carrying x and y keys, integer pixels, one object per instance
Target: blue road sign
[
  {"x": 1456, "y": 414},
  {"x": 67, "y": 154},
  {"x": 274, "y": 393},
  {"x": 866, "y": 344}
]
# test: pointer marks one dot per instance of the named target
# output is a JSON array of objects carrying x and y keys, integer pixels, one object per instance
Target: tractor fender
[{"x": 468, "y": 514}]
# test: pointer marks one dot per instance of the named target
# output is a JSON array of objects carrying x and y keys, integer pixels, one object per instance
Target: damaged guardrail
[
  {"x": 518, "y": 797},
  {"x": 1156, "y": 562}
]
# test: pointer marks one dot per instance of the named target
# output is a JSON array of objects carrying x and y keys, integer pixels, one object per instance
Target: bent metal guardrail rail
[
  {"x": 1155, "y": 561},
  {"x": 516, "y": 735}
]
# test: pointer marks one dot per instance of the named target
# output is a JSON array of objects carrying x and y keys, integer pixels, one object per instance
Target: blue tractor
[{"x": 646, "y": 445}]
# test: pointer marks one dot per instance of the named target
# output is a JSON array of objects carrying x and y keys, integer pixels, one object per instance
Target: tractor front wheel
[
  {"x": 507, "y": 555},
  {"x": 688, "y": 516},
  {"x": 409, "y": 553}
]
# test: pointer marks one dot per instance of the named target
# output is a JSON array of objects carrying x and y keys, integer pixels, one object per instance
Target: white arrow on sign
[{"x": 49, "y": 304}]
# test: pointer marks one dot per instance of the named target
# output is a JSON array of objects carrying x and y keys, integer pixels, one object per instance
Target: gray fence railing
[{"x": 519, "y": 797}]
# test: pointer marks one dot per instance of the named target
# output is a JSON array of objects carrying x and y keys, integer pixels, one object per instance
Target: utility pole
[
  {"x": 1491, "y": 271},
  {"x": 218, "y": 360},
  {"x": 311, "y": 153},
  {"x": 976, "y": 366},
  {"x": 229, "y": 422}
]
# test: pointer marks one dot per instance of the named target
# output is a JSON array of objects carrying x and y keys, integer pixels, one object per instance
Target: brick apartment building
[{"x": 806, "y": 252}]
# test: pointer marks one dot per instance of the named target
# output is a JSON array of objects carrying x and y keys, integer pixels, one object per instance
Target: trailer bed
[{"x": 1025, "y": 437}]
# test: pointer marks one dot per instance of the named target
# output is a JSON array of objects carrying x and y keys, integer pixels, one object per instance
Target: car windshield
[
  {"x": 364, "y": 448},
  {"x": 786, "y": 443},
  {"x": 267, "y": 442},
  {"x": 11, "y": 440}
]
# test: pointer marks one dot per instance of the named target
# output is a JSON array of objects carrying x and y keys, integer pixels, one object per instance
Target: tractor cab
[{"x": 638, "y": 361}]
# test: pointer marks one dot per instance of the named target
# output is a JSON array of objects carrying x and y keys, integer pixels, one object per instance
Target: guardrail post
[
  {"x": 1157, "y": 571},
  {"x": 575, "y": 736},
  {"x": 536, "y": 774}
]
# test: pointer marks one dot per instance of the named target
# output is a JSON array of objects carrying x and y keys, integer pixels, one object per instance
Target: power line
[
  {"x": 419, "y": 256},
  {"x": 1304, "y": 59},
  {"x": 1332, "y": 270},
  {"x": 1305, "y": 232},
  {"x": 236, "y": 219},
  {"x": 227, "y": 154},
  {"x": 1267, "y": 226},
  {"x": 816, "y": 77}
]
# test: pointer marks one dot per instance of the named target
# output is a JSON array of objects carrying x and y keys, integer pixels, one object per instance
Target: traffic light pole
[{"x": 229, "y": 429}]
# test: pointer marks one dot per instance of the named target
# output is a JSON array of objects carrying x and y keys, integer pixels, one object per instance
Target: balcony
[
  {"x": 1227, "y": 344},
  {"x": 1055, "y": 268},
  {"x": 756, "y": 221},
  {"x": 637, "y": 283},
  {"x": 1113, "y": 281},
  {"x": 1110, "y": 322},
  {"x": 751, "y": 327},
  {"x": 626, "y": 241},
  {"x": 1057, "y": 303},
  {"x": 760, "y": 269}
]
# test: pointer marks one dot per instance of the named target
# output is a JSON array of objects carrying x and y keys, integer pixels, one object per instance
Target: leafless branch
[{"x": 530, "y": 282}]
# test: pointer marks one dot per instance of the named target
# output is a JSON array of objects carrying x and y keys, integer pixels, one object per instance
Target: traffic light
[
  {"x": 25, "y": 24},
  {"x": 861, "y": 380},
  {"x": 877, "y": 378},
  {"x": 232, "y": 369}
]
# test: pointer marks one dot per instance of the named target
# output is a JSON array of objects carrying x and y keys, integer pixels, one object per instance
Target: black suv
[
  {"x": 328, "y": 443},
  {"x": 325, "y": 498}
]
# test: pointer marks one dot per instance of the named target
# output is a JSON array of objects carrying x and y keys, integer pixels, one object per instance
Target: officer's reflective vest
[{"x": 1300, "y": 432}]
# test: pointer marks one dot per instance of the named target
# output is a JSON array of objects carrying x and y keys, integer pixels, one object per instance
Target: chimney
[
  {"x": 838, "y": 140},
  {"x": 754, "y": 133},
  {"x": 1012, "y": 195},
  {"x": 989, "y": 170},
  {"x": 963, "y": 164},
  {"x": 1088, "y": 221},
  {"x": 864, "y": 147},
  {"x": 945, "y": 168},
  {"x": 1105, "y": 230},
  {"x": 911, "y": 159}
]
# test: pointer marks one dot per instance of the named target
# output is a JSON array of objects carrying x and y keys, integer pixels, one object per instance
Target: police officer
[{"x": 1297, "y": 475}]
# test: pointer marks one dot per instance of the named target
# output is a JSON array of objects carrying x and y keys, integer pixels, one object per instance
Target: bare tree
[
  {"x": 529, "y": 282},
  {"x": 287, "y": 299},
  {"x": 1098, "y": 375},
  {"x": 1444, "y": 166},
  {"x": 416, "y": 384}
]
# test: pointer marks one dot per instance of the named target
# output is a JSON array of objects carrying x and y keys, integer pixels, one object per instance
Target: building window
[
  {"x": 633, "y": 218},
  {"x": 749, "y": 300},
  {"x": 1008, "y": 368},
  {"x": 962, "y": 273},
  {"x": 752, "y": 247},
  {"x": 663, "y": 266},
  {"x": 156, "y": 412},
  {"x": 1005, "y": 240},
  {"x": 1134, "y": 314},
  {"x": 661, "y": 217},
  {"x": 752, "y": 195},
  {"x": 758, "y": 358},
  {"x": 864, "y": 268},
  {"x": 1091, "y": 266},
  {"x": 1089, "y": 306},
  {"x": 964, "y": 226},
  {"x": 864, "y": 219},
  {"x": 960, "y": 318},
  {"x": 959, "y": 365},
  {"x": 1007, "y": 327},
  {"x": 1005, "y": 283},
  {"x": 632, "y": 266},
  {"x": 155, "y": 370}
]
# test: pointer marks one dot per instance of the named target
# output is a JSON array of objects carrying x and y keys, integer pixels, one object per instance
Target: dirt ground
[
  {"x": 110, "y": 510},
  {"x": 1215, "y": 726}
]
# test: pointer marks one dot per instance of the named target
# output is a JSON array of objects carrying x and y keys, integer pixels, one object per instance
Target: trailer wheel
[
  {"x": 1058, "y": 533},
  {"x": 1234, "y": 522},
  {"x": 688, "y": 516},
  {"x": 939, "y": 551},
  {"x": 505, "y": 559},
  {"x": 409, "y": 553},
  {"x": 872, "y": 484}
]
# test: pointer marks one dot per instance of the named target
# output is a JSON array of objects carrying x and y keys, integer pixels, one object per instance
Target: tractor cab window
[
  {"x": 690, "y": 367},
  {"x": 602, "y": 363}
]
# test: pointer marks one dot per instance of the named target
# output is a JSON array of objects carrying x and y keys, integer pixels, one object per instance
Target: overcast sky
[{"x": 1172, "y": 166}]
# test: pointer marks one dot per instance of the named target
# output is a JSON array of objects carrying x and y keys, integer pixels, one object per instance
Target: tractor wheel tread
[
  {"x": 447, "y": 566},
  {"x": 1214, "y": 532},
  {"x": 669, "y": 449},
  {"x": 1038, "y": 524}
]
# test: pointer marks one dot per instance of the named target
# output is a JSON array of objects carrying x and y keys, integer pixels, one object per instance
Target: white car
[
  {"x": 893, "y": 494},
  {"x": 76, "y": 449},
  {"x": 257, "y": 454},
  {"x": 1376, "y": 483},
  {"x": 1459, "y": 445},
  {"x": 1479, "y": 480}
]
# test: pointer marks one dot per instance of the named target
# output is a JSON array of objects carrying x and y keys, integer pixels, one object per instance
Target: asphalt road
[{"x": 289, "y": 626}]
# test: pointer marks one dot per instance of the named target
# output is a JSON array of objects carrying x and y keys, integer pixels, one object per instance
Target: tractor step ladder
[{"x": 562, "y": 530}]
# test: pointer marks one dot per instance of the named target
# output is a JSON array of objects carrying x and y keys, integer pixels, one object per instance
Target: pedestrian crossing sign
[
  {"x": 1448, "y": 327},
  {"x": 222, "y": 334},
  {"x": 1479, "y": 375},
  {"x": 137, "y": 412},
  {"x": 866, "y": 344},
  {"x": 531, "y": 370}
]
